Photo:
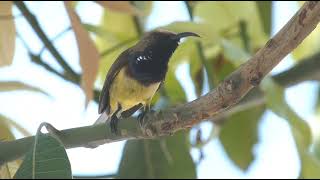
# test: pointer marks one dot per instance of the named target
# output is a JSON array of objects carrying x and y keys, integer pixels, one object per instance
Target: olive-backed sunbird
[{"x": 136, "y": 74}]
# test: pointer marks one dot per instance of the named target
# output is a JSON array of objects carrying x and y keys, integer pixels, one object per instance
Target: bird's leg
[
  {"x": 114, "y": 120},
  {"x": 146, "y": 109}
]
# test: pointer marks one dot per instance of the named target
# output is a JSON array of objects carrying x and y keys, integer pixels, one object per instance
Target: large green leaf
[
  {"x": 310, "y": 166},
  {"x": 239, "y": 135},
  {"x": 226, "y": 16},
  {"x": 165, "y": 158},
  {"x": 47, "y": 159},
  {"x": 15, "y": 85}
]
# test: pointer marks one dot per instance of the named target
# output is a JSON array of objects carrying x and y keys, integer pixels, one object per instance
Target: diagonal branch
[{"x": 227, "y": 94}]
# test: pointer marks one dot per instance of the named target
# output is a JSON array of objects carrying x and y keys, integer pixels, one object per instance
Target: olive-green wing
[{"x": 120, "y": 62}]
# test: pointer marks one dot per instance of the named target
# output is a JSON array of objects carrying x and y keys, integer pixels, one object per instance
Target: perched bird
[{"x": 135, "y": 76}]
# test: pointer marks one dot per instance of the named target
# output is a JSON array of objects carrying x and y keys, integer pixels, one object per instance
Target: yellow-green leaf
[
  {"x": 7, "y": 33},
  {"x": 120, "y": 6},
  {"x": 89, "y": 55},
  {"x": 310, "y": 167},
  {"x": 309, "y": 46},
  {"x": 119, "y": 28},
  {"x": 7, "y": 170},
  {"x": 226, "y": 16}
]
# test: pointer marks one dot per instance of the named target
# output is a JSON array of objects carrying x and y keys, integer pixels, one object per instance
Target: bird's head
[
  {"x": 152, "y": 53},
  {"x": 161, "y": 43}
]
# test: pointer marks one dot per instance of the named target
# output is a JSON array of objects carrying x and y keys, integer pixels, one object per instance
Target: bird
[{"x": 136, "y": 75}]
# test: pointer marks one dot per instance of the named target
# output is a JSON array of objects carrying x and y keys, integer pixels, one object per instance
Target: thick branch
[
  {"x": 307, "y": 70},
  {"x": 228, "y": 93}
]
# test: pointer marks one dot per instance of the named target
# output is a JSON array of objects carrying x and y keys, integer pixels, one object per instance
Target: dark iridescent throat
[{"x": 151, "y": 65}]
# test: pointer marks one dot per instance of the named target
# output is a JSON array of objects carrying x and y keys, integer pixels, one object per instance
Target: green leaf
[
  {"x": 173, "y": 89},
  {"x": 207, "y": 33},
  {"x": 117, "y": 28},
  {"x": 166, "y": 158},
  {"x": 299, "y": 128},
  {"x": 265, "y": 11},
  {"x": 15, "y": 85},
  {"x": 7, "y": 34},
  {"x": 46, "y": 159},
  {"x": 226, "y": 16},
  {"x": 317, "y": 149},
  {"x": 310, "y": 167},
  {"x": 239, "y": 135},
  {"x": 233, "y": 53},
  {"x": 310, "y": 45},
  {"x": 276, "y": 102}
]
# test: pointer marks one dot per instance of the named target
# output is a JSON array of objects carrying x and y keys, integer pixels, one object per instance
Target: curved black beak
[{"x": 185, "y": 34}]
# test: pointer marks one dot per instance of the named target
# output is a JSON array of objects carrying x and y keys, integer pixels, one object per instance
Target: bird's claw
[{"x": 142, "y": 115}]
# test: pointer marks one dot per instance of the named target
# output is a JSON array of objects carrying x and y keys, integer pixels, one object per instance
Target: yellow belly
[{"x": 129, "y": 92}]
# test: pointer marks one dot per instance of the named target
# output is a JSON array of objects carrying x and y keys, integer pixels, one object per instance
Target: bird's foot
[
  {"x": 142, "y": 115},
  {"x": 114, "y": 125}
]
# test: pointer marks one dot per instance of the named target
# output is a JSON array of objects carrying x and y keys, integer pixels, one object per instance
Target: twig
[
  {"x": 55, "y": 38},
  {"x": 36, "y": 27},
  {"x": 167, "y": 122}
]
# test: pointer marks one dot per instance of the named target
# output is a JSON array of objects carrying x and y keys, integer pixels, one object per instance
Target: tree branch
[{"x": 228, "y": 93}]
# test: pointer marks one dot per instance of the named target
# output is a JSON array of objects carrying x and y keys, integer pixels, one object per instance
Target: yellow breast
[{"x": 128, "y": 92}]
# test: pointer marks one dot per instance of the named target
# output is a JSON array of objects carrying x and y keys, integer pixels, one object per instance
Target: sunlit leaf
[
  {"x": 310, "y": 45},
  {"x": 47, "y": 159},
  {"x": 120, "y": 6},
  {"x": 310, "y": 167},
  {"x": 6, "y": 86},
  {"x": 89, "y": 55},
  {"x": 119, "y": 28},
  {"x": 226, "y": 16},
  {"x": 7, "y": 33},
  {"x": 207, "y": 34},
  {"x": 240, "y": 134},
  {"x": 166, "y": 158}
]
